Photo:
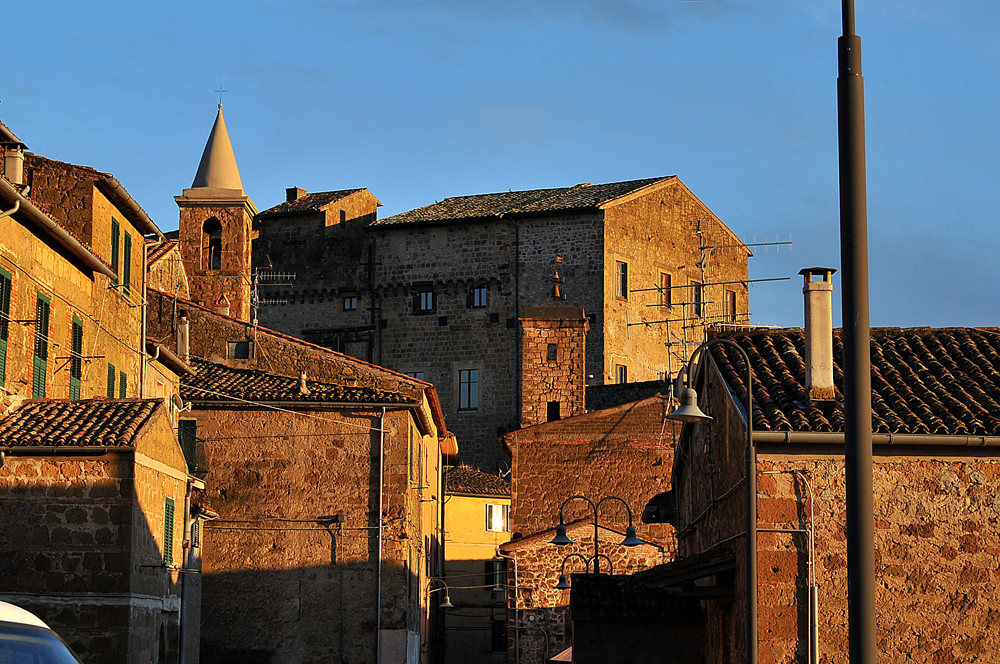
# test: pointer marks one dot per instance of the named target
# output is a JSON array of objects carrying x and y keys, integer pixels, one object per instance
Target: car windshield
[{"x": 24, "y": 644}]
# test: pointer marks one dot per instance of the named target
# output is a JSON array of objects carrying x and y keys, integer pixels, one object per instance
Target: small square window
[
  {"x": 552, "y": 354},
  {"x": 621, "y": 275},
  {"x": 239, "y": 350},
  {"x": 424, "y": 300},
  {"x": 497, "y": 518},
  {"x": 350, "y": 303}
]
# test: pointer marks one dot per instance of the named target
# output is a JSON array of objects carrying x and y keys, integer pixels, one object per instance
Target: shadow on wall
[{"x": 76, "y": 550}]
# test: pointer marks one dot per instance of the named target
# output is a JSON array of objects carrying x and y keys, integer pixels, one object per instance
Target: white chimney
[
  {"x": 183, "y": 336},
  {"x": 818, "y": 291},
  {"x": 13, "y": 164}
]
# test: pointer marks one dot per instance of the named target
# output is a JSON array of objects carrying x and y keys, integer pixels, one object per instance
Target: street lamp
[
  {"x": 690, "y": 413},
  {"x": 446, "y": 604},
  {"x": 564, "y": 584},
  {"x": 562, "y": 539}
]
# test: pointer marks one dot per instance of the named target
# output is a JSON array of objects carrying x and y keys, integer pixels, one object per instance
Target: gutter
[
  {"x": 67, "y": 450},
  {"x": 111, "y": 186},
  {"x": 160, "y": 353},
  {"x": 55, "y": 231},
  {"x": 304, "y": 404},
  {"x": 891, "y": 439}
]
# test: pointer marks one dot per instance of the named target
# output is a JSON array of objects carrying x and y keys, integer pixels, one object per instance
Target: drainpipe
[
  {"x": 381, "y": 488},
  {"x": 142, "y": 331}
]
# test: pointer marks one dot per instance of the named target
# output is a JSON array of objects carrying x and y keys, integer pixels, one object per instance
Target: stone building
[
  {"x": 476, "y": 523},
  {"x": 438, "y": 292},
  {"x": 95, "y": 537},
  {"x": 936, "y": 437},
  {"x": 319, "y": 466}
]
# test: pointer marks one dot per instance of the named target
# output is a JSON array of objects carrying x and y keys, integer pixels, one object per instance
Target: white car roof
[{"x": 15, "y": 614}]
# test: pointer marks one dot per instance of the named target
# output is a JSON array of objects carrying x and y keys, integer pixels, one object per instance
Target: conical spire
[{"x": 217, "y": 169}]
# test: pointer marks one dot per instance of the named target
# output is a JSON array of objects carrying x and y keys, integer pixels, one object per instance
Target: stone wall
[{"x": 553, "y": 363}]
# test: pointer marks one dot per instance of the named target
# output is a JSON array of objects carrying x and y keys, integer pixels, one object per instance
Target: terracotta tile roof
[
  {"x": 90, "y": 422},
  {"x": 467, "y": 481},
  {"x": 308, "y": 203},
  {"x": 214, "y": 382},
  {"x": 161, "y": 251},
  {"x": 533, "y": 201},
  {"x": 924, "y": 381}
]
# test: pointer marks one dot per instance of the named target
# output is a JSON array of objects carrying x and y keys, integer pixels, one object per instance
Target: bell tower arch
[{"x": 216, "y": 219}]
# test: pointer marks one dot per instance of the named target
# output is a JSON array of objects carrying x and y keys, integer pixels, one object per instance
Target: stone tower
[
  {"x": 553, "y": 363},
  {"x": 215, "y": 232}
]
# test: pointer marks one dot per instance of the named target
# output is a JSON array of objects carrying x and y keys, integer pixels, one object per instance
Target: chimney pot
[
  {"x": 818, "y": 290},
  {"x": 294, "y": 194},
  {"x": 14, "y": 164}
]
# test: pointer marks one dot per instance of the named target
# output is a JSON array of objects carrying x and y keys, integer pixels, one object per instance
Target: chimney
[
  {"x": 183, "y": 337},
  {"x": 294, "y": 194},
  {"x": 13, "y": 163},
  {"x": 818, "y": 290},
  {"x": 303, "y": 388}
]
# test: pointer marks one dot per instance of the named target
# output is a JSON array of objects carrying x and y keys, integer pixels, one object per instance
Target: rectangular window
[
  {"x": 122, "y": 386},
  {"x": 665, "y": 284},
  {"x": 41, "y": 354},
  {"x": 115, "y": 232},
  {"x": 497, "y": 518},
  {"x": 168, "y": 532},
  {"x": 419, "y": 375},
  {"x": 698, "y": 298},
  {"x": 496, "y": 577},
  {"x": 112, "y": 376},
  {"x": 126, "y": 263},
  {"x": 477, "y": 298},
  {"x": 468, "y": 389},
  {"x": 76, "y": 359},
  {"x": 187, "y": 436},
  {"x": 350, "y": 303},
  {"x": 6, "y": 284},
  {"x": 498, "y": 634},
  {"x": 552, "y": 411},
  {"x": 621, "y": 374},
  {"x": 424, "y": 300},
  {"x": 552, "y": 352},
  {"x": 239, "y": 350},
  {"x": 730, "y": 306},
  {"x": 621, "y": 274}
]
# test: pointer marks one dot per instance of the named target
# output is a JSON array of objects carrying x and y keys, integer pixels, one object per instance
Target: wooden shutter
[
  {"x": 41, "y": 354},
  {"x": 5, "y": 288},
  {"x": 126, "y": 263},
  {"x": 168, "y": 532},
  {"x": 115, "y": 231},
  {"x": 76, "y": 359}
]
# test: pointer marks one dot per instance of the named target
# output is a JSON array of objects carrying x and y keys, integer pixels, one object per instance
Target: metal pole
[{"x": 857, "y": 360}]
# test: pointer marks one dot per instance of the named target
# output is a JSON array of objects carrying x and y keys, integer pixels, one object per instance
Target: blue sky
[{"x": 421, "y": 100}]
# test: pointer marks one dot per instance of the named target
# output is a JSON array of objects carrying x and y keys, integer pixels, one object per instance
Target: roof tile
[{"x": 85, "y": 423}]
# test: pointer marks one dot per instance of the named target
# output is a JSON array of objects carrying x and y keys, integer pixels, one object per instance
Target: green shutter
[
  {"x": 187, "y": 435},
  {"x": 112, "y": 374},
  {"x": 115, "y": 231},
  {"x": 123, "y": 386},
  {"x": 76, "y": 359},
  {"x": 41, "y": 354},
  {"x": 168, "y": 532},
  {"x": 126, "y": 263},
  {"x": 5, "y": 287}
]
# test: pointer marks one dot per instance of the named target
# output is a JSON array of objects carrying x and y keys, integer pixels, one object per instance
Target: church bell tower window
[{"x": 211, "y": 246}]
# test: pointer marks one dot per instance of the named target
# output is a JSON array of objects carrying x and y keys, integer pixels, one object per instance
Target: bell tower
[{"x": 215, "y": 232}]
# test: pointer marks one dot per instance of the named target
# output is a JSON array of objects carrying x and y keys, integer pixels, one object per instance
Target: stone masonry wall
[
  {"x": 232, "y": 281},
  {"x": 558, "y": 376}
]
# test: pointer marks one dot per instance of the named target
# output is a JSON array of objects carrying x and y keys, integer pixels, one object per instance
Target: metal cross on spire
[{"x": 220, "y": 91}]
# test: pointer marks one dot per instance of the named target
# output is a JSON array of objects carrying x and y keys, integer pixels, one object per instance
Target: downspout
[
  {"x": 142, "y": 331},
  {"x": 185, "y": 564},
  {"x": 381, "y": 491}
]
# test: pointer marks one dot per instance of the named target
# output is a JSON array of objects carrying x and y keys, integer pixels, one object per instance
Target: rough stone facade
[
  {"x": 553, "y": 356},
  {"x": 662, "y": 233}
]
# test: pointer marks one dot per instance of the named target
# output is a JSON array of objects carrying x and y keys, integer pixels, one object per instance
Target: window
[
  {"x": 122, "y": 386},
  {"x": 76, "y": 359},
  {"x": 468, "y": 389},
  {"x": 477, "y": 297},
  {"x": 621, "y": 374},
  {"x": 730, "y": 306},
  {"x": 419, "y": 375},
  {"x": 665, "y": 283},
  {"x": 495, "y": 575},
  {"x": 698, "y": 298},
  {"x": 115, "y": 232},
  {"x": 552, "y": 411},
  {"x": 126, "y": 264},
  {"x": 187, "y": 436},
  {"x": 497, "y": 518},
  {"x": 621, "y": 275},
  {"x": 41, "y": 354},
  {"x": 350, "y": 303},
  {"x": 239, "y": 350},
  {"x": 6, "y": 283},
  {"x": 552, "y": 353},
  {"x": 112, "y": 376},
  {"x": 168, "y": 532},
  {"x": 211, "y": 245},
  {"x": 498, "y": 634},
  {"x": 426, "y": 300}
]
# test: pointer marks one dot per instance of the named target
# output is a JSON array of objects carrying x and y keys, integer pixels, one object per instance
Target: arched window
[{"x": 211, "y": 245}]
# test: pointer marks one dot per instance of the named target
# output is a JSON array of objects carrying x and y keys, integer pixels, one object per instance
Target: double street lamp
[{"x": 562, "y": 539}]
